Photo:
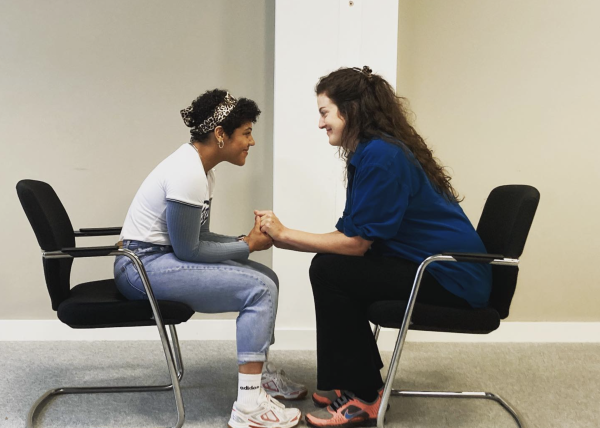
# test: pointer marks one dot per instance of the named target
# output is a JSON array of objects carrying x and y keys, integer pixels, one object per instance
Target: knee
[
  {"x": 264, "y": 270},
  {"x": 322, "y": 267},
  {"x": 265, "y": 288},
  {"x": 273, "y": 277},
  {"x": 273, "y": 287}
]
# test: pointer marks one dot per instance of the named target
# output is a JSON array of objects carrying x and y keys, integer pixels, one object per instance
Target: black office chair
[
  {"x": 96, "y": 304},
  {"x": 503, "y": 228}
]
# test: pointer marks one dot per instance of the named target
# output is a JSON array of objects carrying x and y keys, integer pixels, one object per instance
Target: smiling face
[
  {"x": 330, "y": 119},
  {"x": 237, "y": 145}
]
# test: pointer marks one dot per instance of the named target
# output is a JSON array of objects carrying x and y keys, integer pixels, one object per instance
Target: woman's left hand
[{"x": 270, "y": 224}]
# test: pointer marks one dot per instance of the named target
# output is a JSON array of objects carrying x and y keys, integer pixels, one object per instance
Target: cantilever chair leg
[
  {"x": 389, "y": 391},
  {"x": 388, "y": 388},
  {"x": 175, "y": 346},
  {"x": 170, "y": 347},
  {"x": 481, "y": 395},
  {"x": 175, "y": 377}
]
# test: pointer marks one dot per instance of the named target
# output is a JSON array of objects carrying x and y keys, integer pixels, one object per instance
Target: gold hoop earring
[{"x": 221, "y": 144}]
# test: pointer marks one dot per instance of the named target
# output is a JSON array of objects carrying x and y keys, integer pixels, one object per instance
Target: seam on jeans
[
  {"x": 131, "y": 282},
  {"x": 271, "y": 313},
  {"x": 219, "y": 268},
  {"x": 224, "y": 268}
]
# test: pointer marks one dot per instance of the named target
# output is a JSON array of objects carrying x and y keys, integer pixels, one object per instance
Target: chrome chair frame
[
  {"x": 170, "y": 346},
  {"x": 406, "y": 321}
]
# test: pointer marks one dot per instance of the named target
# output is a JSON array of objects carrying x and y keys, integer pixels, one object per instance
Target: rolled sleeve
[{"x": 379, "y": 201}]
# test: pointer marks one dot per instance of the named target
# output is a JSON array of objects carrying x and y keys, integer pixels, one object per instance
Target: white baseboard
[{"x": 299, "y": 339}]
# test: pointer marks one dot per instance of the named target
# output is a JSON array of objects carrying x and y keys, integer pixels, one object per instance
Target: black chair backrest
[
  {"x": 503, "y": 228},
  {"x": 53, "y": 230}
]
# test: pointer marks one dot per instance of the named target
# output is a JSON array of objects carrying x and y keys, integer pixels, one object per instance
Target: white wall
[
  {"x": 90, "y": 93},
  {"x": 313, "y": 38},
  {"x": 509, "y": 92},
  {"x": 504, "y": 92}
]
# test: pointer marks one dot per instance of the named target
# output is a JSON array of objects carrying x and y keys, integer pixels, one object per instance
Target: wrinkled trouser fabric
[
  {"x": 343, "y": 288},
  {"x": 247, "y": 287}
]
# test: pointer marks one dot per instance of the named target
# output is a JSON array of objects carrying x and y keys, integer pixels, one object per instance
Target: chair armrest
[
  {"x": 80, "y": 252},
  {"x": 474, "y": 257},
  {"x": 494, "y": 259},
  {"x": 98, "y": 231},
  {"x": 90, "y": 251}
]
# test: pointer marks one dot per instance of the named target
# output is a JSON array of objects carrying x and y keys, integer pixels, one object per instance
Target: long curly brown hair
[{"x": 371, "y": 109}]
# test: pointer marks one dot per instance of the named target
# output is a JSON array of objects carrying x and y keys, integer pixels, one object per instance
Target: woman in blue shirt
[{"x": 400, "y": 209}]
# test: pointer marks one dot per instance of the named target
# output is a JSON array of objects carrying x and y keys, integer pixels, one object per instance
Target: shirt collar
[{"x": 357, "y": 156}]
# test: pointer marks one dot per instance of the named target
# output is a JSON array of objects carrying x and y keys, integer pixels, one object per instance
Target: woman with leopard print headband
[{"x": 168, "y": 227}]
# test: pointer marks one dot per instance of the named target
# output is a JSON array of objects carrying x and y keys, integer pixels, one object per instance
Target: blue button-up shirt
[{"x": 390, "y": 200}]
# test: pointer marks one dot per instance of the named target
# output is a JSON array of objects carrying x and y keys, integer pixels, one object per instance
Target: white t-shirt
[{"x": 181, "y": 178}]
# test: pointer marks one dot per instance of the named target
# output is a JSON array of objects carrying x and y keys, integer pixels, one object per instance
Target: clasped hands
[{"x": 267, "y": 231}]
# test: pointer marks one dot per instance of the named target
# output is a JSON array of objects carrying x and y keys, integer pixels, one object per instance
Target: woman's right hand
[
  {"x": 269, "y": 223},
  {"x": 257, "y": 240}
]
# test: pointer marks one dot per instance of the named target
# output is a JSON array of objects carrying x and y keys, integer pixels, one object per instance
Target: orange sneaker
[
  {"x": 345, "y": 412},
  {"x": 325, "y": 398}
]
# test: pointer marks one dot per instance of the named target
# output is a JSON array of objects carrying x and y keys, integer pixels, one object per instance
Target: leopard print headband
[{"x": 221, "y": 112}]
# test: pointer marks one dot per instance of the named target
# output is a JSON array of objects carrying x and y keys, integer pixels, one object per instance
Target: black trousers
[{"x": 343, "y": 288}]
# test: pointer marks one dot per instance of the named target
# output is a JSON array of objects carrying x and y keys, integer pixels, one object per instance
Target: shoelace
[
  {"x": 273, "y": 403},
  {"x": 283, "y": 376},
  {"x": 341, "y": 400}
]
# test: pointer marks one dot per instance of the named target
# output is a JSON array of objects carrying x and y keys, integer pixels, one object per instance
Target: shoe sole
[
  {"x": 290, "y": 424},
  {"x": 278, "y": 426},
  {"x": 322, "y": 405},
  {"x": 361, "y": 423},
  {"x": 300, "y": 396}
]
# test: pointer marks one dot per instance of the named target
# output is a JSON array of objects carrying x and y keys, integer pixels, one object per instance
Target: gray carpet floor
[{"x": 553, "y": 385}]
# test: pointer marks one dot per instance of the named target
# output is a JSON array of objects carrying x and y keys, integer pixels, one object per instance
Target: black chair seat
[
  {"x": 99, "y": 304},
  {"x": 425, "y": 317}
]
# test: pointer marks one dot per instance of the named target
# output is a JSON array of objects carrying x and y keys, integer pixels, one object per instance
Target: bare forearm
[{"x": 333, "y": 242}]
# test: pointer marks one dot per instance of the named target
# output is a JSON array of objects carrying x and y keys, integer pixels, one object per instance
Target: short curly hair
[{"x": 204, "y": 106}]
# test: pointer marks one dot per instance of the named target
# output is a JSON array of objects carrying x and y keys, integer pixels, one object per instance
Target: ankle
[{"x": 248, "y": 390}]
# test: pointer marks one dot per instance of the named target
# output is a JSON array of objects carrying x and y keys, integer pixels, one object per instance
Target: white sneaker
[
  {"x": 269, "y": 414},
  {"x": 279, "y": 386}
]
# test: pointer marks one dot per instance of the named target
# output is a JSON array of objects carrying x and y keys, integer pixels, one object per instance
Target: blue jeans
[{"x": 247, "y": 287}]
